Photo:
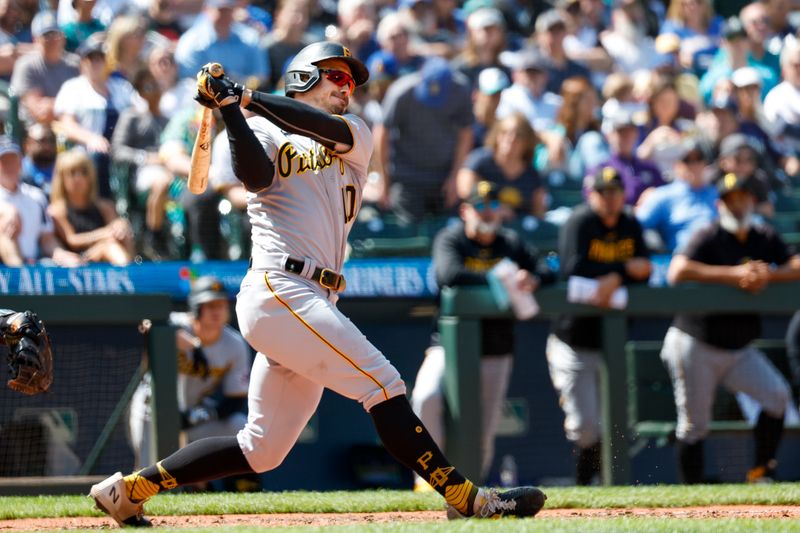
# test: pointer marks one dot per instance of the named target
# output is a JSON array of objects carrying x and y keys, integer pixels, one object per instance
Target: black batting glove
[{"x": 220, "y": 89}]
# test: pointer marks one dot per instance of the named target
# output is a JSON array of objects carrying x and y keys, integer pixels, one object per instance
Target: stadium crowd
[{"x": 533, "y": 96}]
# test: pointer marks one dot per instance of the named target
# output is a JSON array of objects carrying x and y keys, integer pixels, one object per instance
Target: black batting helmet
[
  {"x": 302, "y": 73},
  {"x": 205, "y": 289}
]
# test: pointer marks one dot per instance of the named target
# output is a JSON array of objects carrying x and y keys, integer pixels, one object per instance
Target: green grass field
[{"x": 784, "y": 494}]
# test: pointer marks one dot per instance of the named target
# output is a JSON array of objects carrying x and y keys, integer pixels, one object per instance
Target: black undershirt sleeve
[
  {"x": 301, "y": 119},
  {"x": 251, "y": 165}
]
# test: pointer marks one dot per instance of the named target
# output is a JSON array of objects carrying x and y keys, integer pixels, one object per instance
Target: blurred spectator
[
  {"x": 551, "y": 29},
  {"x": 757, "y": 25},
  {"x": 135, "y": 143},
  {"x": 39, "y": 75},
  {"x": 485, "y": 99},
  {"x": 734, "y": 54},
  {"x": 124, "y": 42},
  {"x": 486, "y": 39},
  {"x": 420, "y": 16},
  {"x": 780, "y": 22},
  {"x": 86, "y": 224},
  {"x": 698, "y": 31},
  {"x": 425, "y": 136},
  {"x": 84, "y": 25},
  {"x": 528, "y": 94},
  {"x": 104, "y": 10},
  {"x": 87, "y": 108},
  {"x": 395, "y": 57},
  {"x": 637, "y": 175},
  {"x": 678, "y": 209},
  {"x": 26, "y": 229},
  {"x": 216, "y": 37},
  {"x": 719, "y": 121},
  {"x": 506, "y": 161},
  {"x": 288, "y": 36},
  {"x": 740, "y": 155},
  {"x": 603, "y": 242},
  {"x": 574, "y": 142},
  {"x": 782, "y": 107},
  {"x": 752, "y": 120},
  {"x": 357, "y": 21},
  {"x": 39, "y": 157},
  {"x": 585, "y": 20},
  {"x": 627, "y": 42},
  {"x": 463, "y": 255},
  {"x": 702, "y": 351},
  {"x": 665, "y": 129},
  {"x": 213, "y": 363},
  {"x": 176, "y": 93},
  {"x": 690, "y": 19},
  {"x": 450, "y": 25},
  {"x": 201, "y": 210},
  {"x": 15, "y": 35},
  {"x": 163, "y": 19}
]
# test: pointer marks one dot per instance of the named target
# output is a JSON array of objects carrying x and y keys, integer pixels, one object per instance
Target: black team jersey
[
  {"x": 459, "y": 260},
  {"x": 716, "y": 246},
  {"x": 589, "y": 249}
]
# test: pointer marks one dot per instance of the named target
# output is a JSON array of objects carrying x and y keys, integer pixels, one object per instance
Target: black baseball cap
[
  {"x": 730, "y": 182},
  {"x": 606, "y": 178},
  {"x": 483, "y": 191},
  {"x": 736, "y": 141}
]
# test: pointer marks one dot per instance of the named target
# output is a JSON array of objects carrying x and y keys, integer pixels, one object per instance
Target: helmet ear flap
[{"x": 299, "y": 81}]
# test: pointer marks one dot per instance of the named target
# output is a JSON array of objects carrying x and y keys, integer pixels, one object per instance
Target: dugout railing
[
  {"x": 81, "y": 315},
  {"x": 462, "y": 309}
]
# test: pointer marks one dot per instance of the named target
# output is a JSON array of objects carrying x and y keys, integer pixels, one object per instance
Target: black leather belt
[{"x": 324, "y": 276}]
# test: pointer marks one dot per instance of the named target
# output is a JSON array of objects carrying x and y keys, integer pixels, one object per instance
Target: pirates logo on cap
[
  {"x": 346, "y": 52},
  {"x": 730, "y": 180}
]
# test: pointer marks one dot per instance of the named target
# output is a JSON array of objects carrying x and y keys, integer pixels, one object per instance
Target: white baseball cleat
[
  {"x": 489, "y": 503},
  {"x": 111, "y": 497}
]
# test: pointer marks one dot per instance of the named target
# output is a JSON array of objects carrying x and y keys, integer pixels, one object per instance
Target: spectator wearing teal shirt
[
  {"x": 215, "y": 37},
  {"x": 78, "y": 30},
  {"x": 737, "y": 51}
]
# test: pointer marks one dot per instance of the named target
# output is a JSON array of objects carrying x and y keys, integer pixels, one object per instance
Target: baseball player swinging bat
[{"x": 201, "y": 153}]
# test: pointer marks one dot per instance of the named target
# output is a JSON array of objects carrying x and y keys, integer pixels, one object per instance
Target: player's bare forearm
[
  {"x": 681, "y": 269},
  {"x": 790, "y": 271},
  {"x": 301, "y": 119}
]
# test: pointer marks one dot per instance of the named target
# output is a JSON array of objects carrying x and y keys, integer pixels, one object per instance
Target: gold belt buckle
[{"x": 331, "y": 280}]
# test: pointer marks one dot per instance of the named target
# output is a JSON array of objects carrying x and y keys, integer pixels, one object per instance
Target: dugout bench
[{"x": 463, "y": 308}]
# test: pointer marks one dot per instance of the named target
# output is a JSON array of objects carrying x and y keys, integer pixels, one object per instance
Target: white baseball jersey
[
  {"x": 309, "y": 208},
  {"x": 228, "y": 366},
  {"x": 304, "y": 343}
]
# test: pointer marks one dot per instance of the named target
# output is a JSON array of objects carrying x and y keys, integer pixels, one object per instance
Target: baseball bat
[{"x": 201, "y": 153}]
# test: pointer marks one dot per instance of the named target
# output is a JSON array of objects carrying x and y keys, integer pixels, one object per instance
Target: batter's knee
[
  {"x": 262, "y": 456},
  {"x": 387, "y": 385}
]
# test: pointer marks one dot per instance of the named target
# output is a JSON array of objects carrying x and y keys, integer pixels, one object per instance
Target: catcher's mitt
[{"x": 30, "y": 357}]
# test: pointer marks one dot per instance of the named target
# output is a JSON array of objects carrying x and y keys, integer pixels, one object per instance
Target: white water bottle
[{"x": 508, "y": 471}]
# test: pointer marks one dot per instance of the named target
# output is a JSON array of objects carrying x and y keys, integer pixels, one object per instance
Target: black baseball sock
[
  {"x": 202, "y": 460},
  {"x": 404, "y": 436},
  {"x": 690, "y": 461},
  {"x": 587, "y": 464},
  {"x": 768, "y": 433}
]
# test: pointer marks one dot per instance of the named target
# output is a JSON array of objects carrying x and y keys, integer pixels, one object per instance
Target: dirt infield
[{"x": 328, "y": 519}]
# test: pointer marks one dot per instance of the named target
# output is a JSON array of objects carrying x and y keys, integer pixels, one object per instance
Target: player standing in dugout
[{"x": 304, "y": 162}]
